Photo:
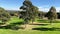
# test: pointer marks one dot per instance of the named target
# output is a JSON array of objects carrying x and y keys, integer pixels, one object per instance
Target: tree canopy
[
  {"x": 31, "y": 10},
  {"x": 52, "y": 14},
  {"x": 4, "y": 16}
]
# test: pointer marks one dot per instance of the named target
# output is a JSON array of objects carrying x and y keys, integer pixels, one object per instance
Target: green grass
[
  {"x": 15, "y": 20},
  {"x": 23, "y": 31},
  {"x": 4, "y": 31},
  {"x": 43, "y": 21},
  {"x": 46, "y": 21}
]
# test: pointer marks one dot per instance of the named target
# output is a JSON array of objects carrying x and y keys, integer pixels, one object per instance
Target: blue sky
[{"x": 44, "y": 5}]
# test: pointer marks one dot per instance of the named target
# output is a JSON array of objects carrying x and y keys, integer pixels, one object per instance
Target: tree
[
  {"x": 41, "y": 14},
  {"x": 52, "y": 14},
  {"x": 58, "y": 15},
  {"x": 33, "y": 13},
  {"x": 4, "y": 16},
  {"x": 25, "y": 14},
  {"x": 30, "y": 11}
]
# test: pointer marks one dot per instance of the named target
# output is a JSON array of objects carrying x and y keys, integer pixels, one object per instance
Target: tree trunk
[
  {"x": 25, "y": 25},
  {"x": 50, "y": 22},
  {"x": 32, "y": 21}
]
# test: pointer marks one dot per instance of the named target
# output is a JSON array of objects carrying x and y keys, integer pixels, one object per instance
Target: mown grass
[
  {"x": 46, "y": 21},
  {"x": 15, "y": 20},
  {"x": 23, "y": 31},
  {"x": 4, "y": 31}
]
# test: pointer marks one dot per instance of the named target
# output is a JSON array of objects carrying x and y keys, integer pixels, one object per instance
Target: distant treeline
[{"x": 12, "y": 13}]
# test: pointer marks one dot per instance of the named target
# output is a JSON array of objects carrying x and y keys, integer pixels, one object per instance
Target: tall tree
[
  {"x": 4, "y": 16},
  {"x": 41, "y": 14},
  {"x": 31, "y": 10},
  {"x": 25, "y": 8},
  {"x": 33, "y": 13},
  {"x": 52, "y": 14}
]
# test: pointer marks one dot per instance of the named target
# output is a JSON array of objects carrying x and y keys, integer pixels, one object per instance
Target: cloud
[
  {"x": 46, "y": 9},
  {"x": 43, "y": 9},
  {"x": 58, "y": 9}
]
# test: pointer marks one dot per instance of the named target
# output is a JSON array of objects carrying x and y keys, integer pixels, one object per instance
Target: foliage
[
  {"x": 31, "y": 11},
  {"x": 27, "y": 3},
  {"x": 58, "y": 15},
  {"x": 41, "y": 14},
  {"x": 52, "y": 14},
  {"x": 4, "y": 16}
]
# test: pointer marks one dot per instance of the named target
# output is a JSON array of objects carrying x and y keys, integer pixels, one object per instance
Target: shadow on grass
[
  {"x": 9, "y": 27},
  {"x": 12, "y": 26},
  {"x": 47, "y": 29},
  {"x": 40, "y": 24},
  {"x": 18, "y": 23},
  {"x": 48, "y": 21}
]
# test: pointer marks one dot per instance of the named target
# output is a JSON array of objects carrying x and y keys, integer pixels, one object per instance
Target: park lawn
[
  {"x": 23, "y": 31},
  {"x": 15, "y": 20},
  {"x": 46, "y": 21},
  {"x": 8, "y": 31}
]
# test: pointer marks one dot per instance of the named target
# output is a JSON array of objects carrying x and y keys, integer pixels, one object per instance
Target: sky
[{"x": 43, "y": 5}]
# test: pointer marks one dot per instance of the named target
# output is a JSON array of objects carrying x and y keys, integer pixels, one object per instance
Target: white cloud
[
  {"x": 58, "y": 9},
  {"x": 43, "y": 9},
  {"x": 46, "y": 9}
]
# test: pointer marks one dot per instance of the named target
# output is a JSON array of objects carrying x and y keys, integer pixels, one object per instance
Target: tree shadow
[
  {"x": 40, "y": 24},
  {"x": 48, "y": 21},
  {"x": 47, "y": 29},
  {"x": 18, "y": 23},
  {"x": 12, "y": 26}
]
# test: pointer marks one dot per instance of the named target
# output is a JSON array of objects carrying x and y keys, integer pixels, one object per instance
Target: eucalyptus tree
[
  {"x": 33, "y": 13},
  {"x": 4, "y": 15},
  {"x": 31, "y": 10},
  {"x": 52, "y": 14}
]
